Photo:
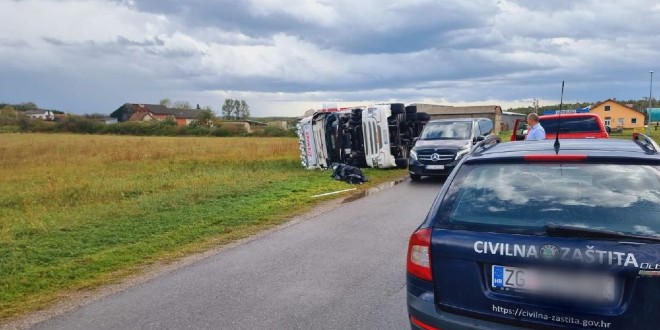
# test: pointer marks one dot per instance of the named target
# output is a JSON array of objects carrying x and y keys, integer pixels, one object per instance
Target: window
[
  {"x": 486, "y": 127},
  {"x": 525, "y": 197},
  {"x": 608, "y": 121},
  {"x": 447, "y": 130},
  {"x": 570, "y": 125},
  {"x": 621, "y": 121},
  {"x": 633, "y": 121},
  {"x": 607, "y": 108}
]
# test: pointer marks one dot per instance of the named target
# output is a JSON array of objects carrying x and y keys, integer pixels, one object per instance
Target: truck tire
[
  {"x": 402, "y": 162},
  {"x": 397, "y": 108},
  {"x": 411, "y": 109},
  {"x": 423, "y": 116},
  {"x": 410, "y": 117}
]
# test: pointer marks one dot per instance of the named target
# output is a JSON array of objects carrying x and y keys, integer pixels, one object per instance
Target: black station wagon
[{"x": 535, "y": 234}]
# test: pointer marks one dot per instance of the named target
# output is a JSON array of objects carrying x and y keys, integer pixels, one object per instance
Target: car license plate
[
  {"x": 554, "y": 283},
  {"x": 435, "y": 167}
]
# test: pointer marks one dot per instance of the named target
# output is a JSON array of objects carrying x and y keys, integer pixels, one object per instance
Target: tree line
[
  {"x": 235, "y": 109},
  {"x": 231, "y": 109},
  {"x": 639, "y": 105}
]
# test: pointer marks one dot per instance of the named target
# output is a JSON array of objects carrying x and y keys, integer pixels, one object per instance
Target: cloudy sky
[{"x": 286, "y": 56}]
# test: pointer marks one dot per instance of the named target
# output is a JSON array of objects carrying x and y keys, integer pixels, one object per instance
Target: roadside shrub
[{"x": 168, "y": 127}]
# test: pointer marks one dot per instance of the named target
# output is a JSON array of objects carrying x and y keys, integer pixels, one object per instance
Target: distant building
[
  {"x": 248, "y": 126},
  {"x": 279, "y": 124},
  {"x": 147, "y": 112},
  {"x": 40, "y": 114},
  {"x": 492, "y": 112},
  {"x": 509, "y": 119},
  {"x": 618, "y": 115}
]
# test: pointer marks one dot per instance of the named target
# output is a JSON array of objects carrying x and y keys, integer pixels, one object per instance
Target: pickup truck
[{"x": 571, "y": 126}]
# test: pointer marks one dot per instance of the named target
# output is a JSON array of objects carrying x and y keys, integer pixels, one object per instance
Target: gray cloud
[{"x": 303, "y": 50}]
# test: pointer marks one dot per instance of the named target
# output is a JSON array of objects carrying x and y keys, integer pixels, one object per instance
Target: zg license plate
[
  {"x": 553, "y": 283},
  {"x": 435, "y": 167}
]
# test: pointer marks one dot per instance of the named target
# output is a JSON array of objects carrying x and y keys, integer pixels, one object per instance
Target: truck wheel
[
  {"x": 397, "y": 108},
  {"x": 423, "y": 116},
  {"x": 411, "y": 117},
  {"x": 411, "y": 109},
  {"x": 415, "y": 177},
  {"x": 401, "y": 163}
]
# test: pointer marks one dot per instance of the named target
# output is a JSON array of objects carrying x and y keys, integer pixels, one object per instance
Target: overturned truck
[{"x": 378, "y": 136}]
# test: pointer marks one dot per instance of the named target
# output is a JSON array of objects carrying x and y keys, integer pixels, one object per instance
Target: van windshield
[
  {"x": 447, "y": 130},
  {"x": 526, "y": 197}
]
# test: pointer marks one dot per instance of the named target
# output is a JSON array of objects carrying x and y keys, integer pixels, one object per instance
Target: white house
[{"x": 40, "y": 114}]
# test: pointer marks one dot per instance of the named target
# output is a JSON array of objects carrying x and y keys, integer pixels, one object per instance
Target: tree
[
  {"x": 165, "y": 102},
  {"x": 206, "y": 117},
  {"x": 181, "y": 105},
  {"x": 245, "y": 110},
  {"x": 237, "y": 109},
  {"x": 8, "y": 113},
  {"x": 227, "y": 108}
]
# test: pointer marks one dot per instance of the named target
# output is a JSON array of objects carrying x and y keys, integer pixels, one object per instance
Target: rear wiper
[{"x": 553, "y": 229}]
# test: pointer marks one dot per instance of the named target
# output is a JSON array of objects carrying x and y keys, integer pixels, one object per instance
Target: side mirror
[
  {"x": 608, "y": 129},
  {"x": 480, "y": 138}
]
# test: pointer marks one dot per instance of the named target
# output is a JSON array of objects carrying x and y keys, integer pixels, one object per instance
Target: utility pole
[
  {"x": 536, "y": 106},
  {"x": 648, "y": 111}
]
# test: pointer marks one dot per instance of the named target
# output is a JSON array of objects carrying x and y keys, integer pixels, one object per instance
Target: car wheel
[
  {"x": 415, "y": 177},
  {"x": 397, "y": 108}
]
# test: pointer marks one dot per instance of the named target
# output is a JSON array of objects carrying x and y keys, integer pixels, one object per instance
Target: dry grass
[{"x": 75, "y": 210}]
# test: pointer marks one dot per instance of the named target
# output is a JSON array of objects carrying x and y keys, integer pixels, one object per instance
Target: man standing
[{"x": 536, "y": 131}]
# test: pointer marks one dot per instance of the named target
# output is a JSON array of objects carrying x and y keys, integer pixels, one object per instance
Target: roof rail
[
  {"x": 485, "y": 144},
  {"x": 646, "y": 143}
]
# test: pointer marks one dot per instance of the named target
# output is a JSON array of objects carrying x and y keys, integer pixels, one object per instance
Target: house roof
[
  {"x": 35, "y": 112},
  {"x": 159, "y": 109},
  {"x": 447, "y": 109},
  {"x": 619, "y": 103},
  {"x": 178, "y": 113}
]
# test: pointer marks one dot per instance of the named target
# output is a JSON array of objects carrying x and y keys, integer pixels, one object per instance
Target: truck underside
[{"x": 374, "y": 136}]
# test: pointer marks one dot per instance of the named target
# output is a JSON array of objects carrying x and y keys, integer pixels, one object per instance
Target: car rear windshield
[
  {"x": 449, "y": 130},
  {"x": 527, "y": 197},
  {"x": 586, "y": 124}
]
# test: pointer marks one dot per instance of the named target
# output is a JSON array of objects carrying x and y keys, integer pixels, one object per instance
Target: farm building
[
  {"x": 492, "y": 112},
  {"x": 509, "y": 119},
  {"x": 281, "y": 124},
  {"x": 248, "y": 126},
  {"x": 147, "y": 112},
  {"x": 40, "y": 114}
]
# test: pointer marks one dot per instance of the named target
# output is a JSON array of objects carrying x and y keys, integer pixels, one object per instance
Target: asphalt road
[{"x": 342, "y": 269}]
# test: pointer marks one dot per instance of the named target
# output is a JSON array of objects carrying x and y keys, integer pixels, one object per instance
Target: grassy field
[{"x": 79, "y": 211}]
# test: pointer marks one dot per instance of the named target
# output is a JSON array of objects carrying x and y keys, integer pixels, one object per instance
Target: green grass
[{"x": 79, "y": 211}]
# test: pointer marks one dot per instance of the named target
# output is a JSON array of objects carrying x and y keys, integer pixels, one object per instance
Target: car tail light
[
  {"x": 555, "y": 158},
  {"x": 419, "y": 254}
]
